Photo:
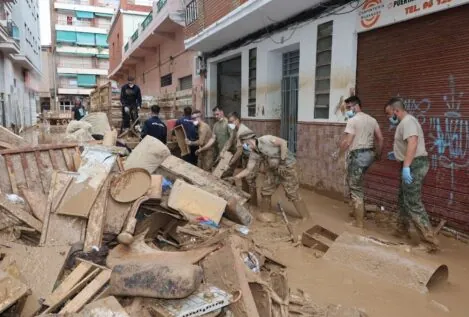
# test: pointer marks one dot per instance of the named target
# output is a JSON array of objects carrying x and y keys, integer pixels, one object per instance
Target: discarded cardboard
[
  {"x": 223, "y": 165},
  {"x": 193, "y": 175},
  {"x": 148, "y": 154},
  {"x": 87, "y": 293},
  {"x": 225, "y": 269},
  {"x": 193, "y": 202},
  {"x": 10, "y": 209},
  {"x": 140, "y": 251},
  {"x": 39, "y": 266},
  {"x": 11, "y": 290},
  {"x": 95, "y": 227},
  {"x": 59, "y": 229},
  {"x": 31, "y": 167},
  {"x": 130, "y": 185},
  {"x": 151, "y": 279},
  {"x": 37, "y": 202},
  {"x": 81, "y": 195},
  {"x": 156, "y": 189},
  {"x": 108, "y": 306},
  {"x": 110, "y": 138},
  {"x": 181, "y": 140}
]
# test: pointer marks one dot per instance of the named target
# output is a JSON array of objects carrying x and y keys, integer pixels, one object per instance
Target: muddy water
[{"x": 328, "y": 282}]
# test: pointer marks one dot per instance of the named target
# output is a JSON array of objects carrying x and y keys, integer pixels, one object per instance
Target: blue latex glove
[
  {"x": 406, "y": 177},
  {"x": 391, "y": 156}
]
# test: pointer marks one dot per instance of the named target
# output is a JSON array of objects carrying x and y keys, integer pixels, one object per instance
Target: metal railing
[
  {"x": 96, "y": 23},
  {"x": 80, "y": 65},
  {"x": 160, "y": 4},
  {"x": 147, "y": 20},
  {"x": 134, "y": 36},
  {"x": 126, "y": 47}
]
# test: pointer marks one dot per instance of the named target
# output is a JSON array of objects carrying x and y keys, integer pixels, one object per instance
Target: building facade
[
  {"x": 80, "y": 50},
  {"x": 155, "y": 55},
  {"x": 284, "y": 68},
  {"x": 20, "y": 62}
]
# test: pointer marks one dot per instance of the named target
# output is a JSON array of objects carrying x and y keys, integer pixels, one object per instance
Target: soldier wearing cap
[{"x": 280, "y": 166}]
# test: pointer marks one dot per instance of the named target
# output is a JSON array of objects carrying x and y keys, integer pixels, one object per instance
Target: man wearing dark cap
[
  {"x": 131, "y": 100},
  {"x": 280, "y": 166}
]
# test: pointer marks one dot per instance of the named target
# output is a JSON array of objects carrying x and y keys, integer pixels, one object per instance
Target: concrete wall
[{"x": 317, "y": 138}]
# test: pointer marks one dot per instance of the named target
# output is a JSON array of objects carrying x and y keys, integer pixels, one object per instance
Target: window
[
  {"x": 185, "y": 83},
  {"x": 167, "y": 80},
  {"x": 191, "y": 12},
  {"x": 323, "y": 71},
  {"x": 252, "y": 82}
]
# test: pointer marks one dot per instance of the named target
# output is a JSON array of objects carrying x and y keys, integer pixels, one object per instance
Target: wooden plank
[
  {"x": 87, "y": 293},
  {"x": 25, "y": 167},
  {"x": 19, "y": 212},
  {"x": 11, "y": 174},
  {"x": 223, "y": 165},
  {"x": 75, "y": 289},
  {"x": 78, "y": 200},
  {"x": 18, "y": 172},
  {"x": 11, "y": 290},
  {"x": 156, "y": 189},
  {"x": 5, "y": 184},
  {"x": 95, "y": 228},
  {"x": 116, "y": 215},
  {"x": 42, "y": 147},
  {"x": 45, "y": 181},
  {"x": 10, "y": 138},
  {"x": 33, "y": 176},
  {"x": 181, "y": 139},
  {"x": 37, "y": 202},
  {"x": 59, "y": 229},
  {"x": 59, "y": 158},
  {"x": 108, "y": 306},
  {"x": 53, "y": 160},
  {"x": 68, "y": 159},
  {"x": 68, "y": 283},
  {"x": 39, "y": 266}
]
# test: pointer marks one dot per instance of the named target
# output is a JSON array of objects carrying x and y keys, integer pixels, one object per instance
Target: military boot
[
  {"x": 301, "y": 209},
  {"x": 427, "y": 235},
  {"x": 359, "y": 213}
]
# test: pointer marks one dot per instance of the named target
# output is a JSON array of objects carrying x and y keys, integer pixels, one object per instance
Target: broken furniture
[{"x": 318, "y": 238}]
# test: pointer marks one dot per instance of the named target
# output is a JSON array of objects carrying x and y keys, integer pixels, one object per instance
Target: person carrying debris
[
  {"x": 409, "y": 150},
  {"x": 154, "y": 126},
  {"x": 359, "y": 138},
  {"x": 191, "y": 134},
  {"x": 131, "y": 100},
  {"x": 236, "y": 129},
  {"x": 78, "y": 110},
  {"x": 280, "y": 169},
  {"x": 205, "y": 158}
]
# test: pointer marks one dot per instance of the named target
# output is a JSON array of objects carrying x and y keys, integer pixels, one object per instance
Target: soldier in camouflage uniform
[
  {"x": 359, "y": 138},
  {"x": 409, "y": 149},
  {"x": 280, "y": 166}
]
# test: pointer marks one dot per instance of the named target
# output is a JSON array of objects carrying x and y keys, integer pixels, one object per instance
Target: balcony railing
[
  {"x": 79, "y": 65},
  {"x": 126, "y": 47},
  {"x": 134, "y": 36},
  {"x": 147, "y": 20},
  {"x": 160, "y": 4},
  {"x": 102, "y": 24},
  {"x": 101, "y": 3},
  {"x": 13, "y": 31}
]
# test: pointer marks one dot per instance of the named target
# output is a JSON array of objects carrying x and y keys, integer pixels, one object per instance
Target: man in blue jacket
[
  {"x": 154, "y": 126},
  {"x": 191, "y": 134}
]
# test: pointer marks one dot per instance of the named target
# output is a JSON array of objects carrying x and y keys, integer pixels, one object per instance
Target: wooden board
[
  {"x": 37, "y": 202},
  {"x": 156, "y": 189},
  {"x": 223, "y": 165},
  {"x": 12, "y": 139},
  {"x": 39, "y": 266},
  {"x": 11, "y": 290},
  {"x": 181, "y": 139},
  {"x": 193, "y": 175},
  {"x": 59, "y": 229},
  {"x": 87, "y": 293},
  {"x": 95, "y": 228},
  {"x": 31, "y": 167},
  {"x": 108, "y": 306},
  {"x": 18, "y": 211},
  {"x": 68, "y": 283},
  {"x": 194, "y": 202}
]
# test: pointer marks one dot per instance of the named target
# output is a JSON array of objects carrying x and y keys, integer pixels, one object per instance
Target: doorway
[
  {"x": 229, "y": 85},
  {"x": 290, "y": 79}
]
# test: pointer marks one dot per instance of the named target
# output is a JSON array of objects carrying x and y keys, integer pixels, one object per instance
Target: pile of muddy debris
[{"x": 91, "y": 230}]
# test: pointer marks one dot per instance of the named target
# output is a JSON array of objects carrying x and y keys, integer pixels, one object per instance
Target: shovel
[{"x": 285, "y": 219}]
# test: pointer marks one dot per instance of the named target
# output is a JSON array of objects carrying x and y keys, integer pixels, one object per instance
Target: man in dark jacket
[
  {"x": 131, "y": 100},
  {"x": 78, "y": 110},
  {"x": 154, "y": 126},
  {"x": 191, "y": 134}
]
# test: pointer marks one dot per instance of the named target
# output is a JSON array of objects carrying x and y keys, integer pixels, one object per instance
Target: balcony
[
  {"x": 89, "y": 23},
  {"x": 9, "y": 37},
  {"x": 249, "y": 17},
  {"x": 79, "y": 50},
  {"x": 104, "y": 10},
  {"x": 77, "y": 68}
]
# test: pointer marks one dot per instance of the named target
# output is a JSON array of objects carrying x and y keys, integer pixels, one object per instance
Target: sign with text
[{"x": 378, "y": 13}]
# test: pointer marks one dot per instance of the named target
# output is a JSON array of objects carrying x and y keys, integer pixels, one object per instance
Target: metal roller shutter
[{"x": 426, "y": 62}]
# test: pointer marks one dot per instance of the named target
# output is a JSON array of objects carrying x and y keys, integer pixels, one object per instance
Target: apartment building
[
  {"x": 154, "y": 53},
  {"x": 20, "y": 62},
  {"x": 80, "y": 50}
]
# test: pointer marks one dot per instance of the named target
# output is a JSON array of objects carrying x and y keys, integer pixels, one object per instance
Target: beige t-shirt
[
  {"x": 362, "y": 126},
  {"x": 409, "y": 126}
]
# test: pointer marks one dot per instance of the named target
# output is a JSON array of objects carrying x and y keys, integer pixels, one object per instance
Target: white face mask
[
  {"x": 131, "y": 85},
  {"x": 231, "y": 126},
  {"x": 196, "y": 123}
]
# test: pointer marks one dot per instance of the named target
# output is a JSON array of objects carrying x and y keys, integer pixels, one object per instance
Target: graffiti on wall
[{"x": 448, "y": 132}]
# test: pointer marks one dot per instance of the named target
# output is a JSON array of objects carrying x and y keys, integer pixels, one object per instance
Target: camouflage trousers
[
  {"x": 205, "y": 160},
  {"x": 285, "y": 176},
  {"x": 411, "y": 208},
  {"x": 358, "y": 163}
]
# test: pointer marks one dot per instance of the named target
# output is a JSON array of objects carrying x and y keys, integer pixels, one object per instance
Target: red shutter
[{"x": 426, "y": 62}]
